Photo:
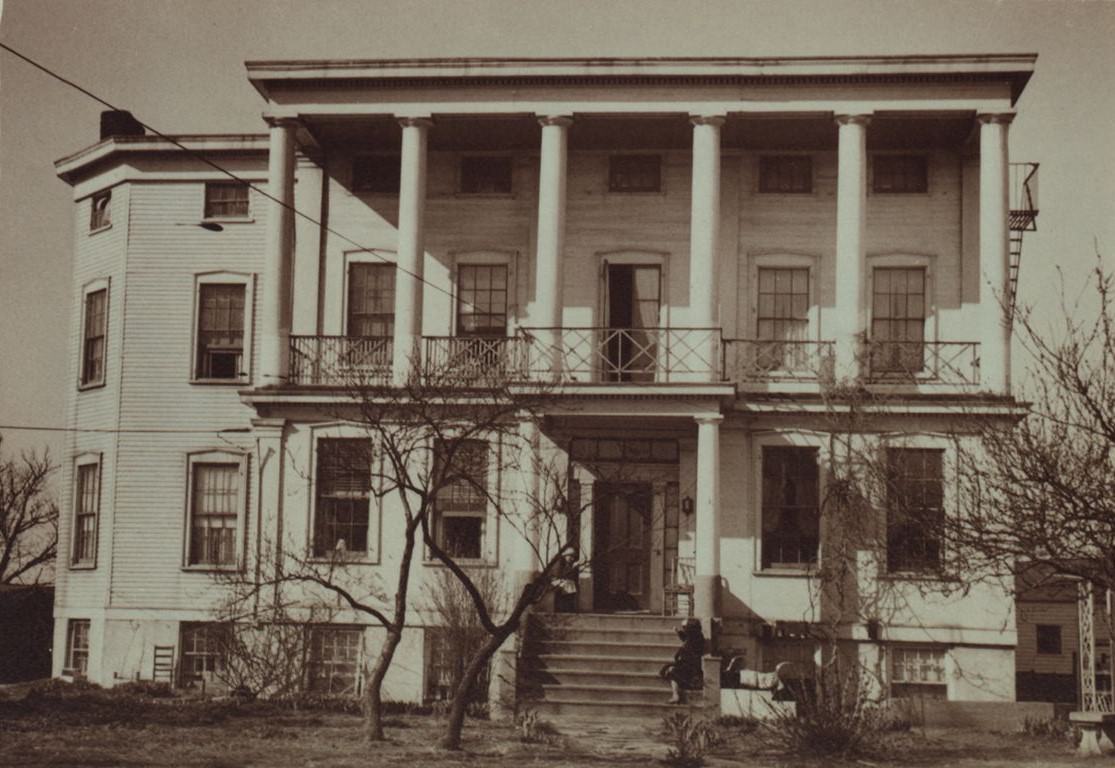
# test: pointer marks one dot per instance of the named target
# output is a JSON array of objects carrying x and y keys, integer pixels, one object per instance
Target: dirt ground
[{"x": 124, "y": 732}]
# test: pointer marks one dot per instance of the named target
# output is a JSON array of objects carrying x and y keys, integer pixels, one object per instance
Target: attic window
[
  {"x": 486, "y": 175},
  {"x": 635, "y": 173},
  {"x": 378, "y": 174},
  {"x": 901, "y": 174}
]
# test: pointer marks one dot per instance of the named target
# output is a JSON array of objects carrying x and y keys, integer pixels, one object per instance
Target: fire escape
[{"x": 1023, "y": 217}]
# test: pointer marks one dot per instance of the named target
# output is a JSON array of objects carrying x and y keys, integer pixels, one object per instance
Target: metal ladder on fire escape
[{"x": 1023, "y": 218}]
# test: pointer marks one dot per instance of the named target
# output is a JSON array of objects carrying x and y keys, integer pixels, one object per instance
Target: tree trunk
[
  {"x": 373, "y": 689},
  {"x": 459, "y": 705}
]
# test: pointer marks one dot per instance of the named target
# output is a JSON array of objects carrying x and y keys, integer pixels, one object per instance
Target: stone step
[
  {"x": 602, "y": 634},
  {"x": 663, "y": 651},
  {"x": 644, "y": 694},
  {"x": 608, "y": 620},
  {"x": 601, "y": 709},
  {"x": 573, "y": 676},
  {"x": 594, "y": 662}
]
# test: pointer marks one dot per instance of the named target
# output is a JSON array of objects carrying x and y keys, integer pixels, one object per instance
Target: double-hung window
[
  {"x": 461, "y": 502},
  {"x": 791, "y": 507},
  {"x": 915, "y": 509},
  {"x": 783, "y": 319},
  {"x": 334, "y": 660},
  {"x": 87, "y": 505},
  {"x": 482, "y": 300},
  {"x": 94, "y": 336},
  {"x": 216, "y": 506},
  {"x": 371, "y": 300},
  {"x": 898, "y": 320},
  {"x": 77, "y": 647},
  {"x": 220, "y": 331},
  {"x": 343, "y": 496}
]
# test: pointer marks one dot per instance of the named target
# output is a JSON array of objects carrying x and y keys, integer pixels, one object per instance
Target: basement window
[
  {"x": 77, "y": 647},
  {"x": 335, "y": 660},
  {"x": 918, "y": 673}
]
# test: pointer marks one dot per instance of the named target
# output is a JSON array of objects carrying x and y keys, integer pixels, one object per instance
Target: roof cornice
[{"x": 68, "y": 167}]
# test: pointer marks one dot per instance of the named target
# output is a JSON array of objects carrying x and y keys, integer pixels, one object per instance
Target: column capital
[
  {"x": 282, "y": 121},
  {"x": 563, "y": 121},
  {"x": 997, "y": 118},
  {"x": 416, "y": 121},
  {"x": 714, "y": 120},
  {"x": 709, "y": 418},
  {"x": 853, "y": 119}
]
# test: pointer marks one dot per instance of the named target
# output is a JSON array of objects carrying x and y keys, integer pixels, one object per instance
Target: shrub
[
  {"x": 834, "y": 717},
  {"x": 690, "y": 740},
  {"x": 1052, "y": 728},
  {"x": 533, "y": 729},
  {"x": 737, "y": 723},
  {"x": 144, "y": 689}
]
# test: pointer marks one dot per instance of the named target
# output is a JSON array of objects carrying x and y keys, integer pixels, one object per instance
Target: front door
[
  {"x": 631, "y": 339},
  {"x": 621, "y": 546}
]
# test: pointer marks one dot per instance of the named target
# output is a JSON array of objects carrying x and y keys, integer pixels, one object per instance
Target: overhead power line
[{"x": 218, "y": 167}]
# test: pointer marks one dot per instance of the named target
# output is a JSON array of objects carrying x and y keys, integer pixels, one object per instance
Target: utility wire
[{"x": 230, "y": 174}]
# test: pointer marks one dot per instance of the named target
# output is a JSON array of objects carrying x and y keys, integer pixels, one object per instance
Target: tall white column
[
  {"x": 551, "y": 239},
  {"x": 411, "y": 252},
  {"x": 275, "y": 310},
  {"x": 994, "y": 252},
  {"x": 706, "y": 582},
  {"x": 704, "y": 236},
  {"x": 851, "y": 219}
]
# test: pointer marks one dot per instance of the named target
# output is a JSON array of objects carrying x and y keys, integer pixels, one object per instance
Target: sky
[{"x": 178, "y": 66}]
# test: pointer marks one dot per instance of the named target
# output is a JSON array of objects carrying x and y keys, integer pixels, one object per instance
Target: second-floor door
[{"x": 630, "y": 340}]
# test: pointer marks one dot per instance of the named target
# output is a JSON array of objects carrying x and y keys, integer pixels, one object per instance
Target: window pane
[
  {"x": 220, "y": 333},
  {"x": 371, "y": 300},
  {"x": 482, "y": 300},
  {"x": 226, "y": 200},
  {"x": 915, "y": 494},
  {"x": 85, "y": 518},
  {"x": 634, "y": 173},
  {"x": 214, "y": 514},
  {"x": 790, "y": 514},
  {"x": 343, "y": 495},
  {"x": 900, "y": 173},
  {"x": 461, "y": 501},
  {"x": 786, "y": 174},
  {"x": 100, "y": 210},
  {"x": 93, "y": 348}
]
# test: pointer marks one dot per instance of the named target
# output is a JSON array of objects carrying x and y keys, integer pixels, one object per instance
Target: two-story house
[{"x": 692, "y": 247}]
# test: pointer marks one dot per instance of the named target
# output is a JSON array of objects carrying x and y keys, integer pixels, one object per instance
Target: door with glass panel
[
  {"x": 621, "y": 544},
  {"x": 370, "y": 319},
  {"x": 630, "y": 342},
  {"x": 898, "y": 321}
]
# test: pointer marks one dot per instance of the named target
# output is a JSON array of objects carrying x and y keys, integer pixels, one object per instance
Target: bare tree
[
  {"x": 1042, "y": 492},
  {"x": 28, "y": 517}
]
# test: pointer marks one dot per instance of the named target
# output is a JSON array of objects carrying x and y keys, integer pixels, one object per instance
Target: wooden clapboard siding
[
  {"x": 163, "y": 259},
  {"x": 1030, "y": 614},
  {"x": 97, "y": 256}
]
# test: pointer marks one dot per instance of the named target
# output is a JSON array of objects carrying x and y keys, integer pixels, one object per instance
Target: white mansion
[{"x": 706, "y": 241}]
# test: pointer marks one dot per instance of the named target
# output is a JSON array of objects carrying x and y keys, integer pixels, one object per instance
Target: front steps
[{"x": 600, "y": 666}]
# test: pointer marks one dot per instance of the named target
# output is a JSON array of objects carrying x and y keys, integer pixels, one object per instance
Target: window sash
[
  {"x": 77, "y": 646},
  {"x": 900, "y": 174},
  {"x": 100, "y": 210},
  {"x": 220, "y": 330},
  {"x": 786, "y": 174},
  {"x": 791, "y": 507},
  {"x": 96, "y": 325},
  {"x": 482, "y": 296},
  {"x": 224, "y": 200},
  {"x": 203, "y": 649},
  {"x": 215, "y": 514},
  {"x": 915, "y": 507},
  {"x": 85, "y": 520},
  {"x": 918, "y": 666},
  {"x": 635, "y": 173},
  {"x": 486, "y": 175},
  {"x": 898, "y": 310},
  {"x": 461, "y": 503},
  {"x": 343, "y": 495},
  {"x": 783, "y": 312},
  {"x": 371, "y": 300},
  {"x": 334, "y": 659}
]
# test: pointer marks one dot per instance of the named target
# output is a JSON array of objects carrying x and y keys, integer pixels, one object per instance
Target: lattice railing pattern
[
  {"x": 340, "y": 360},
  {"x": 472, "y": 360},
  {"x": 923, "y": 362},
  {"x": 634, "y": 355},
  {"x": 760, "y": 360}
]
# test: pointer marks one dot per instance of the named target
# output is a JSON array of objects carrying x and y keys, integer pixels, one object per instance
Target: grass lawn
[{"x": 104, "y": 730}]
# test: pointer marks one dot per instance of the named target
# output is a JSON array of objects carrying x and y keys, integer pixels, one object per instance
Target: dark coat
[{"x": 686, "y": 670}]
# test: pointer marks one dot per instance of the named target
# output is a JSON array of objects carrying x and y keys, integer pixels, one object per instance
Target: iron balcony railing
[
  {"x": 340, "y": 360},
  {"x": 1023, "y": 196},
  {"x": 922, "y": 362},
  {"x": 472, "y": 360},
  {"x": 622, "y": 355},
  {"x": 755, "y": 360}
]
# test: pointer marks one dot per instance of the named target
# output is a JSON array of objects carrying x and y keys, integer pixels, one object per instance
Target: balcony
[
  {"x": 752, "y": 360},
  {"x": 621, "y": 355},
  {"x": 471, "y": 360},
  {"x": 946, "y": 363},
  {"x": 340, "y": 360}
]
